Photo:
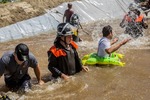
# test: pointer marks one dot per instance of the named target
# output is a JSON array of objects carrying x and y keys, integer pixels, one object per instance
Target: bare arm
[
  {"x": 64, "y": 76},
  {"x": 114, "y": 41},
  {"x": 38, "y": 75},
  {"x": 85, "y": 68},
  {"x": 116, "y": 47},
  {"x": 122, "y": 24},
  {"x": 64, "y": 17}
]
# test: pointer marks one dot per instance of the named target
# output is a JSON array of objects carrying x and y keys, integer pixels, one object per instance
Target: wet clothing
[
  {"x": 21, "y": 85},
  {"x": 104, "y": 43},
  {"x": 15, "y": 75},
  {"x": 64, "y": 61},
  {"x": 68, "y": 13}
]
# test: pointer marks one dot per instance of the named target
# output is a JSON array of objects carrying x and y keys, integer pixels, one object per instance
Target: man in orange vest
[
  {"x": 140, "y": 19},
  {"x": 62, "y": 56},
  {"x": 130, "y": 16},
  {"x": 134, "y": 22}
]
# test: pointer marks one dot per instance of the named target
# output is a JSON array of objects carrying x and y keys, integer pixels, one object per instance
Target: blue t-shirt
[{"x": 10, "y": 68}]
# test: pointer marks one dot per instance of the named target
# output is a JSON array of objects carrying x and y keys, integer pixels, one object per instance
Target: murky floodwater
[{"x": 131, "y": 82}]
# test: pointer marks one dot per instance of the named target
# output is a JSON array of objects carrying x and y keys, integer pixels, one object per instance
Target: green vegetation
[{"x": 5, "y": 1}]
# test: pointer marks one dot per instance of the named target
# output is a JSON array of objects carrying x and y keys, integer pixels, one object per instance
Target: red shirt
[{"x": 68, "y": 14}]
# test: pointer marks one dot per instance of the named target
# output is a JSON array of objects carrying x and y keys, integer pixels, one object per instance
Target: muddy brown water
[{"x": 131, "y": 82}]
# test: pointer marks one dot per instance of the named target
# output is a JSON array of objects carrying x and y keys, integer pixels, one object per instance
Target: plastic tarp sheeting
[{"x": 88, "y": 11}]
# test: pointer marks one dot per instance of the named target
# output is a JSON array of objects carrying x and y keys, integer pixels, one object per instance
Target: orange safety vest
[
  {"x": 59, "y": 52},
  {"x": 139, "y": 19}
]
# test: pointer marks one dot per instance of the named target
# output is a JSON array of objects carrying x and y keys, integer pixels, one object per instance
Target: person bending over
[{"x": 15, "y": 64}]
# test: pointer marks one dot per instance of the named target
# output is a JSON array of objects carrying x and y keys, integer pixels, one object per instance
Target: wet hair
[{"x": 107, "y": 30}]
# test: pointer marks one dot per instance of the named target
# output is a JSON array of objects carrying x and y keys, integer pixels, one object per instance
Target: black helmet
[
  {"x": 74, "y": 19},
  {"x": 64, "y": 29}
]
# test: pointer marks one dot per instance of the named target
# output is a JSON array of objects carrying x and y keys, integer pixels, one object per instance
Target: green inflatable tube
[{"x": 93, "y": 59}]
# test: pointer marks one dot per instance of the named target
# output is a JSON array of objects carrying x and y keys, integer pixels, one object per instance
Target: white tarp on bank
[{"x": 88, "y": 11}]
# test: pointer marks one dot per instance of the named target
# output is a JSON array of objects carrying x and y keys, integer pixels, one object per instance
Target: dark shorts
[{"x": 20, "y": 85}]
